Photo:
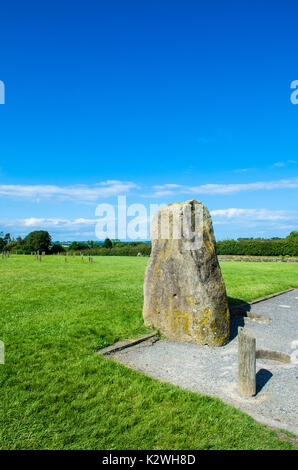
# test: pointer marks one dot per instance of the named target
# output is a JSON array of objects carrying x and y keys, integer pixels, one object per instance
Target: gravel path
[{"x": 213, "y": 371}]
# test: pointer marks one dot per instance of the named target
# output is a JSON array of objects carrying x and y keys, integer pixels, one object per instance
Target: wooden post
[
  {"x": 246, "y": 362},
  {"x": 65, "y": 259}
]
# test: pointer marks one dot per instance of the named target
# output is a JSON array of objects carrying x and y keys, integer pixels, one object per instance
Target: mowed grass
[{"x": 57, "y": 393}]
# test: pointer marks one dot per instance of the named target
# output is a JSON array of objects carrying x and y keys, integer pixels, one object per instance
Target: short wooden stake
[{"x": 246, "y": 362}]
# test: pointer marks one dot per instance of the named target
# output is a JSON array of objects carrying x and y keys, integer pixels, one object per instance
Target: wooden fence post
[{"x": 246, "y": 362}]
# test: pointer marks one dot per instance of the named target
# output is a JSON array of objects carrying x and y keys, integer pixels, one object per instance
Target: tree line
[{"x": 40, "y": 240}]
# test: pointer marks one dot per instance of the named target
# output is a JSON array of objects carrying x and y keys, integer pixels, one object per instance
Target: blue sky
[{"x": 160, "y": 101}]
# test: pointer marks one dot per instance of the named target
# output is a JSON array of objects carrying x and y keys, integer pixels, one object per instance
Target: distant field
[{"x": 58, "y": 394}]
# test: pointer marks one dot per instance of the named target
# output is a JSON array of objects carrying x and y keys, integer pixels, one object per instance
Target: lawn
[{"x": 57, "y": 393}]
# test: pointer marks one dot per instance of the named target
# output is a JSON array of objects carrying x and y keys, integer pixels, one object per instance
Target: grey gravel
[{"x": 213, "y": 371}]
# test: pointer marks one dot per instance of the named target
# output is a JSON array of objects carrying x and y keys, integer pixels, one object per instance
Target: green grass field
[{"x": 57, "y": 393}]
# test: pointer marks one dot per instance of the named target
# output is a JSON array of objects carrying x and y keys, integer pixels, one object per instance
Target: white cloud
[
  {"x": 279, "y": 164},
  {"x": 169, "y": 185},
  {"x": 54, "y": 222},
  {"x": 232, "y": 188},
  {"x": 282, "y": 164},
  {"x": 61, "y": 228},
  {"x": 78, "y": 192},
  {"x": 253, "y": 214}
]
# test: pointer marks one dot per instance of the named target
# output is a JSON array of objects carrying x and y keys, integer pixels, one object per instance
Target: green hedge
[
  {"x": 282, "y": 247},
  {"x": 144, "y": 249}
]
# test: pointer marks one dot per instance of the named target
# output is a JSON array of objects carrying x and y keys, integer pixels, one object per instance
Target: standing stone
[{"x": 184, "y": 292}]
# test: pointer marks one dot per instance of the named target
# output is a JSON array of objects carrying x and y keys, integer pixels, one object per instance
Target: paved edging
[
  {"x": 261, "y": 299},
  {"x": 125, "y": 344}
]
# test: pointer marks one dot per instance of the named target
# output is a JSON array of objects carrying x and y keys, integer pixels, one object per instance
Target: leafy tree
[
  {"x": 39, "y": 240},
  {"x": 118, "y": 243},
  {"x": 9, "y": 246},
  {"x": 2, "y": 242},
  {"x": 293, "y": 235},
  {"x": 107, "y": 243},
  {"x": 75, "y": 246},
  {"x": 7, "y": 238},
  {"x": 57, "y": 248}
]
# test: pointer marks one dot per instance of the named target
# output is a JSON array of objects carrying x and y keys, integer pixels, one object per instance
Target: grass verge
[{"x": 58, "y": 394}]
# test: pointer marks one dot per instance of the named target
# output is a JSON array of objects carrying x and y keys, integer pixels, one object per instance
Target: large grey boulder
[{"x": 184, "y": 292}]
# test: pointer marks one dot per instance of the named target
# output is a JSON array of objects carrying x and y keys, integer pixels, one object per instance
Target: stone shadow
[
  {"x": 235, "y": 322},
  {"x": 262, "y": 377},
  {"x": 238, "y": 304},
  {"x": 238, "y": 310}
]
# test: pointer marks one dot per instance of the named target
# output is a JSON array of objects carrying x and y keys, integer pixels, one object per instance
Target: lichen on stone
[{"x": 184, "y": 292}]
